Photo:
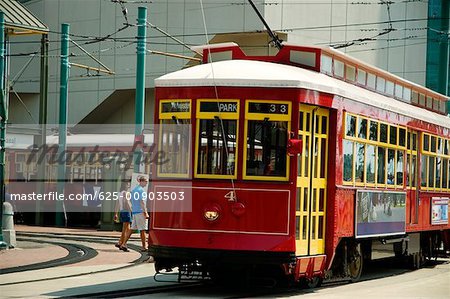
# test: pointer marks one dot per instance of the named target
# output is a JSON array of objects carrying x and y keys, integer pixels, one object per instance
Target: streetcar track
[{"x": 73, "y": 257}]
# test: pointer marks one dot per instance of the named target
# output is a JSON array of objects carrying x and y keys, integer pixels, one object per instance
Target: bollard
[{"x": 9, "y": 234}]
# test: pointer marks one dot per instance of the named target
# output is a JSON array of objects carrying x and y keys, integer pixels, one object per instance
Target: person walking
[
  {"x": 123, "y": 215},
  {"x": 139, "y": 211}
]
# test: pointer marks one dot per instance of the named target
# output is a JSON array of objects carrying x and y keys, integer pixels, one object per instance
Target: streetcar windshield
[{"x": 216, "y": 154}]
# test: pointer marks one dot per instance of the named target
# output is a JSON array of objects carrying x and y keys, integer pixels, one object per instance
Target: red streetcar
[{"x": 371, "y": 177}]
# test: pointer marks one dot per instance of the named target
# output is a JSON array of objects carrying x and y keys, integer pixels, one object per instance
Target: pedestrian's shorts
[
  {"x": 139, "y": 222},
  {"x": 125, "y": 216}
]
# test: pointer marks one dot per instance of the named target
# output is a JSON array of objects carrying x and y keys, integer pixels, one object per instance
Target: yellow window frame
[
  {"x": 366, "y": 141},
  {"x": 272, "y": 117},
  {"x": 178, "y": 115},
  {"x": 428, "y": 153},
  {"x": 211, "y": 115},
  {"x": 412, "y": 153},
  {"x": 352, "y": 182}
]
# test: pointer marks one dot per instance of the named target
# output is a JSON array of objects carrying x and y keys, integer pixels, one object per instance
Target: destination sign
[
  {"x": 227, "y": 107},
  {"x": 268, "y": 108},
  {"x": 175, "y": 107}
]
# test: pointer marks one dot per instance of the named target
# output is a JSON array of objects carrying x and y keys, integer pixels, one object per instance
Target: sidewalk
[
  {"x": 40, "y": 250},
  {"x": 28, "y": 252}
]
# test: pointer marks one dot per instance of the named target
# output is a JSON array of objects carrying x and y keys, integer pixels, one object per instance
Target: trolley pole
[
  {"x": 63, "y": 95},
  {"x": 140, "y": 87},
  {"x": 4, "y": 117}
]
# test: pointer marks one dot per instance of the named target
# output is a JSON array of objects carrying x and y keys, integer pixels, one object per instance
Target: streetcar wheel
[
  {"x": 355, "y": 262},
  {"x": 312, "y": 283}
]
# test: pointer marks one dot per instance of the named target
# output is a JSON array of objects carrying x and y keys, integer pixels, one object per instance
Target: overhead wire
[{"x": 224, "y": 136}]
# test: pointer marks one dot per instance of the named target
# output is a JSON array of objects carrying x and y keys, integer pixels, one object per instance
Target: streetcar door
[{"x": 312, "y": 181}]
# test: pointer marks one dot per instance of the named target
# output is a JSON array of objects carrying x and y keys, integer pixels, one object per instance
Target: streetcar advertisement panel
[
  {"x": 439, "y": 210},
  {"x": 380, "y": 213}
]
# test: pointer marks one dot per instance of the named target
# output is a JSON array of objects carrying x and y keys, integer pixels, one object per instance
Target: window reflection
[
  {"x": 213, "y": 156},
  {"x": 266, "y": 148}
]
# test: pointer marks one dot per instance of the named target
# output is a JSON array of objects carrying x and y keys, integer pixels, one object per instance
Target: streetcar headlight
[
  {"x": 211, "y": 212},
  {"x": 211, "y": 215}
]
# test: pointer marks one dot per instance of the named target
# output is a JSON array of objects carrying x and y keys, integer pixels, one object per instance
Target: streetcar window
[
  {"x": 383, "y": 133},
  {"x": 407, "y": 94},
  {"x": 390, "y": 87},
  {"x": 442, "y": 106},
  {"x": 373, "y": 133},
  {"x": 415, "y": 97},
  {"x": 266, "y": 148},
  {"x": 175, "y": 137},
  {"x": 303, "y": 57},
  {"x": 381, "y": 83},
  {"x": 413, "y": 170},
  {"x": 393, "y": 135},
  {"x": 267, "y": 132},
  {"x": 429, "y": 102},
  {"x": 321, "y": 226},
  {"x": 435, "y": 104},
  {"x": 371, "y": 79},
  {"x": 350, "y": 73},
  {"x": 175, "y": 143},
  {"x": 399, "y": 168},
  {"x": 362, "y": 77},
  {"x": 217, "y": 147},
  {"x": 408, "y": 170},
  {"x": 411, "y": 161},
  {"x": 300, "y": 121},
  {"x": 431, "y": 164},
  {"x": 401, "y": 137},
  {"x": 444, "y": 173},
  {"x": 399, "y": 91},
  {"x": 362, "y": 128},
  {"x": 440, "y": 149},
  {"x": 414, "y": 141},
  {"x": 348, "y": 161},
  {"x": 426, "y": 142},
  {"x": 217, "y": 138},
  {"x": 422, "y": 100},
  {"x": 370, "y": 163},
  {"x": 381, "y": 169},
  {"x": 338, "y": 68},
  {"x": 423, "y": 171},
  {"x": 438, "y": 172},
  {"x": 326, "y": 63},
  {"x": 324, "y": 126},
  {"x": 446, "y": 143},
  {"x": 359, "y": 163},
  {"x": 323, "y": 157},
  {"x": 350, "y": 125},
  {"x": 391, "y": 167},
  {"x": 433, "y": 144}
]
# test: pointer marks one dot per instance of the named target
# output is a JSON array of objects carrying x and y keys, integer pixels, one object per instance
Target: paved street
[{"x": 111, "y": 271}]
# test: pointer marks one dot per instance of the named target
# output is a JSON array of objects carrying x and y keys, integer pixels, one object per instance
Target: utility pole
[
  {"x": 140, "y": 87},
  {"x": 63, "y": 95},
  {"x": 42, "y": 142},
  {"x": 4, "y": 118}
]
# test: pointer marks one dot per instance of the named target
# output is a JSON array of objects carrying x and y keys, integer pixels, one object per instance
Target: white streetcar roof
[{"x": 250, "y": 73}]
